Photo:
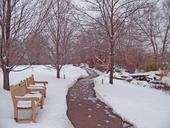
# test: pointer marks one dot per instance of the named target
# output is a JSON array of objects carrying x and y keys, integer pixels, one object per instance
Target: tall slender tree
[
  {"x": 59, "y": 29},
  {"x": 111, "y": 15}
]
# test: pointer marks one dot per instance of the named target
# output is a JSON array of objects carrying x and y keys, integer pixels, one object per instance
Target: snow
[
  {"x": 24, "y": 104},
  {"x": 53, "y": 115},
  {"x": 144, "y": 107},
  {"x": 152, "y": 78},
  {"x": 123, "y": 73},
  {"x": 140, "y": 83},
  {"x": 166, "y": 80}
]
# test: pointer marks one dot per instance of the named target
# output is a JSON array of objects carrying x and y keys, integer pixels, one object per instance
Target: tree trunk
[
  {"x": 6, "y": 79},
  {"x": 58, "y": 72},
  {"x": 6, "y": 48},
  {"x": 165, "y": 42},
  {"x": 111, "y": 63},
  {"x": 8, "y": 21}
]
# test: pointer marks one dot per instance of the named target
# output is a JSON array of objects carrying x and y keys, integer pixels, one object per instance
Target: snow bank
[
  {"x": 53, "y": 115},
  {"x": 140, "y": 83},
  {"x": 166, "y": 80},
  {"x": 144, "y": 107}
]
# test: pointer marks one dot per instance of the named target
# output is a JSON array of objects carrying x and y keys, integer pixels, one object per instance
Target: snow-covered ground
[
  {"x": 144, "y": 107},
  {"x": 53, "y": 115},
  {"x": 166, "y": 80},
  {"x": 151, "y": 76}
]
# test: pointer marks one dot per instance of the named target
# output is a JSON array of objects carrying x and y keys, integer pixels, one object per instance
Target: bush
[
  {"x": 149, "y": 67},
  {"x": 165, "y": 66}
]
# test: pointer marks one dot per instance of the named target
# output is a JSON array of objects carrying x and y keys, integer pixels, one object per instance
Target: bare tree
[
  {"x": 60, "y": 29},
  {"x": 165, "y": 34},
  {"x": 111, "y": 15},
  {"x": 154, "y": 26},
  {"x": 19, "y": 20},
  {"x": 35, "y": 49}
]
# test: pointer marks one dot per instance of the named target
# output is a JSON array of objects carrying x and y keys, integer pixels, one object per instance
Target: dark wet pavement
[{"x": 86, "y": 111}]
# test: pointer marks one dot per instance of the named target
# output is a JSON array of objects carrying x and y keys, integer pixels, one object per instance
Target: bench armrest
[{"x": 41, "y": 82}]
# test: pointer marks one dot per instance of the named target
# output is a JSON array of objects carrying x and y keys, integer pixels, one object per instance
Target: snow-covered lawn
[
  {"x": 53, "y": 115},
  {"x": 144, "y": 107}
]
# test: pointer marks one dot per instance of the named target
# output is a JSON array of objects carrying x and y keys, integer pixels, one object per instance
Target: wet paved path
[{"x": 86, "y": 111}]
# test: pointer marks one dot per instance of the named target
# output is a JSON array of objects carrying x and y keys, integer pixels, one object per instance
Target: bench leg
[
  {"x": 16, "y": 115},
  {"x": 34, "y": 114},
  {"x": 45, "y": 92},
  {"x": 42, "y": 102}
]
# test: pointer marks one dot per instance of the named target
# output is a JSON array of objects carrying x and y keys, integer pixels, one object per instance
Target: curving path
[{"x": 86, "y": 111}]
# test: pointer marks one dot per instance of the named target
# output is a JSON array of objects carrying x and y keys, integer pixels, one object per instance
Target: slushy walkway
[{"x": 86, "y": 111}]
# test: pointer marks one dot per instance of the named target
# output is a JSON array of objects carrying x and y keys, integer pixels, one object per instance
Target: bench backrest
[
  {"x": 17, "y": 90},
  {"x": 30, "y": 80}
]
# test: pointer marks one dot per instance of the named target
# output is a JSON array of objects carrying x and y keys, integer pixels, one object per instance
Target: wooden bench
[
  {"x": 23, "y": 99},
  {"x": 36, "y": 85}
]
